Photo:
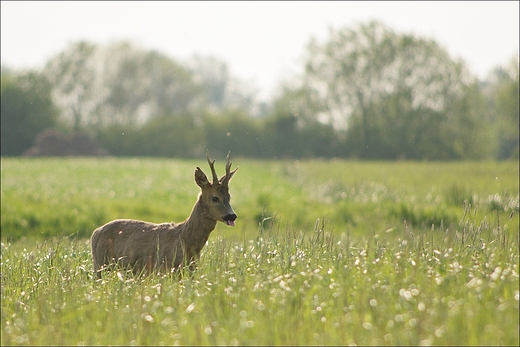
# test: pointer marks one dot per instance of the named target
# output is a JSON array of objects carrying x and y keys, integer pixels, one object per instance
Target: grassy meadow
[{"x": 323, "y": 252}]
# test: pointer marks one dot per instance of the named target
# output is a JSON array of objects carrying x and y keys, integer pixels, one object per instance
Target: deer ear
[{"x": 200, "y": 178}]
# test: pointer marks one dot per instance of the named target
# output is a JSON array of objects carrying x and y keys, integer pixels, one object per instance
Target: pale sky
[{"x": 262, "y": 42}]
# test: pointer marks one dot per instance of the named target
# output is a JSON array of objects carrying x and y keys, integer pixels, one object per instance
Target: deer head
[{"x": 215, "y": 196}]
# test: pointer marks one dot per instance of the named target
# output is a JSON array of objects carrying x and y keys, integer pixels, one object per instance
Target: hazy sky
[{"x": 262, "y": 42}]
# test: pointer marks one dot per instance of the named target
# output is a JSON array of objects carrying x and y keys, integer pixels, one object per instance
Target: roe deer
[{"x": 143, "y": 246}]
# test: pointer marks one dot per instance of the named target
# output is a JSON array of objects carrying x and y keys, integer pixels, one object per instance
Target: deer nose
[{"x": 230, "y": 219}]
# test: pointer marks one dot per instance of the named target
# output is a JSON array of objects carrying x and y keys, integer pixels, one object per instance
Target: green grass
[
  {"x": 337, "y": 265},
  {"x": 62, "y": 197}
]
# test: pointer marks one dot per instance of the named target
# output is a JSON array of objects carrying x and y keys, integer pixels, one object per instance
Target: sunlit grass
[
  {"x": 323, "y": 253},
  {"x": 284, "y": 287},
  {"x": 46, "y": 197}
]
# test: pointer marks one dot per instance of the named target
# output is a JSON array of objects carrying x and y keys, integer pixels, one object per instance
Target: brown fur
[{"x": 143, "y": 246}]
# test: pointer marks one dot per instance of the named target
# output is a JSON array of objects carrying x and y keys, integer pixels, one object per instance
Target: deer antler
[
  {"x": 211, "y": 165},
  {"x": 228, "y": 165},
  {"x": 224, "y": 180}
]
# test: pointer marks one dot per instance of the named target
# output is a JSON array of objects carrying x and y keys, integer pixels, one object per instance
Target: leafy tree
[
  {"x": 294, "y": 129},
  {"x": 466, "y": 131},
  {"x": 144, "y": 84},
  {"x": 141, "y": 102},
  {"x": 283, "y": 136},
  {"x": 234, "y": 130},
  {"x": 504, "y": 108},
  {"x": 76, "y": 90},
  {"x": 219, "y": 90},
  {"x": 118, "y": 84},
  {"x": 303, "y": 102},
  {"x": 26, "y": 108},
  {"x": 396, "y": 94},
  {"x": 120, "y": 139},
  {"x": 168, "y": 136}
]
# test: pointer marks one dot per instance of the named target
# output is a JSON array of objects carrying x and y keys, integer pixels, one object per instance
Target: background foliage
[
  {"x": 26, "y": 109},
  {"x": 367, "y": 92}
]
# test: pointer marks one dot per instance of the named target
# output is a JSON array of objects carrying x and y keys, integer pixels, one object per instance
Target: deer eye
[{"x": 215, "y": 199}]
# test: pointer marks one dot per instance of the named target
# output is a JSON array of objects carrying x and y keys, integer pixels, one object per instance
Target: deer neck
[{"x": 197, "y": 227}]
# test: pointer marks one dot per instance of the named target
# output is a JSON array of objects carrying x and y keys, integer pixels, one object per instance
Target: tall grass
[
  {"x": 284, "y": 287},
  {"x": 367, "y": 273}
]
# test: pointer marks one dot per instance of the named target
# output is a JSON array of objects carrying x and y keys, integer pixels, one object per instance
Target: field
[{"x": 324, "y": 252}]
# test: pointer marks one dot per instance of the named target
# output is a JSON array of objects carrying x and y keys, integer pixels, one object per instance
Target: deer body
[{"x": 143, "y": 246}]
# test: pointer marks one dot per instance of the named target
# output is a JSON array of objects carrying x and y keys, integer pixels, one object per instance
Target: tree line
[{"x": 367, "y": 92}]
